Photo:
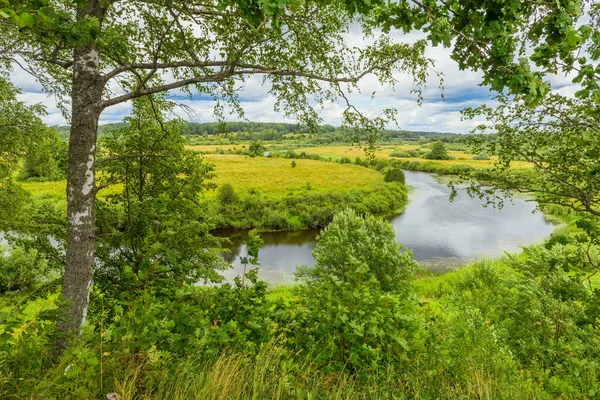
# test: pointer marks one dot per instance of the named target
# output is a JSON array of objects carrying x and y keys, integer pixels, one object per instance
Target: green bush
[
  {"x": 348, "y": 314},
  {"x": 227, "y": 194},
  {"x": 438, "y": 152},
  {"x": 395, "y": 175},
  {"x": 350, "y": 238},
  {"x": 21, "y": 270},
  {"x": 400, "y": 154}
]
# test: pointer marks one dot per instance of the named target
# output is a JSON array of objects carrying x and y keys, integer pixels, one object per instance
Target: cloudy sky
[{"x": 461, "y": 89}]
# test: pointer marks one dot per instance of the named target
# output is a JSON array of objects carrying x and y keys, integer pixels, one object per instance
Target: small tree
[
  {"x": 47, "y": 159},
  {"x": 350, "y": 238},
  {"x": 438, "y": 151},
  {"x": 227, "y": 194},
  {"x": 158, "y": 235},
  {"x": 353, "y": 301},
  {"x": 395, "y": 175},
  {"x": 294, "y": 164},
  {"x": 256, "y": 149}
]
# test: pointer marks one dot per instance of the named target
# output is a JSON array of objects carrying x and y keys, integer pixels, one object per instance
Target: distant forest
[{"x": 266, "y": 130}]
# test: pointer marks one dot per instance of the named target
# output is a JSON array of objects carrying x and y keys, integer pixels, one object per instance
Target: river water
[{"x": 440, "y": 233}]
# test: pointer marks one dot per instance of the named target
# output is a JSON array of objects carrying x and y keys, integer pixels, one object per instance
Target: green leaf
[{"x": 26, "y": 20}]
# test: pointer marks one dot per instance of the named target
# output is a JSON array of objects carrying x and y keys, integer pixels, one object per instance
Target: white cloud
[{"x": 461, "y": 89}]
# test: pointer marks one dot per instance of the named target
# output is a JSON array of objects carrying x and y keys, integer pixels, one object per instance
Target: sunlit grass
[
  {"x": 272, "y": 176},
  {"x": 352, "y": 152},
  {"x": 277, "y": 176},
  {"x": 55, "y": 188}
]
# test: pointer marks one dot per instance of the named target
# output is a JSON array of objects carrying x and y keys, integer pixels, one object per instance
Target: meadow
[
  {"x": 271, "y": 176},
  {"x": 276, "y": 176}
]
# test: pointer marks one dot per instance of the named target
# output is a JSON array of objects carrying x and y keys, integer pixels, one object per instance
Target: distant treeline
[{"x": 267, "y": 130}]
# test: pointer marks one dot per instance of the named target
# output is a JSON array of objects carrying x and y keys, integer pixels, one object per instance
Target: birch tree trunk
[{"x": 86, "y": 97}]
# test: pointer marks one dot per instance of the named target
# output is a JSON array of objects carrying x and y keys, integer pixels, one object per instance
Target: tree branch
[
  {"x": 107, "y": 159},
  {"x": 221, "y": 76}
]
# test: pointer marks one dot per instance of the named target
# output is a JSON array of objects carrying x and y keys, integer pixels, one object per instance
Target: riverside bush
[
  {"x": 307, "y": 208},
  {"x": 395, "y": 175}
]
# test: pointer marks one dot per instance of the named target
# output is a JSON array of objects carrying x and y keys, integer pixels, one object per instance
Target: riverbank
[{"x": 440, "y": 233}]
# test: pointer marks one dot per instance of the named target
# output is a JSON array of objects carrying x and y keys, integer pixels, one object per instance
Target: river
[{"x": 439, "y": 232}]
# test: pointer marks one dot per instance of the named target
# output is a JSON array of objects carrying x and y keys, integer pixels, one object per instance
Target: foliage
[
  {"x": 307, "y": 207},
  {"x": 364, "y": 241},
  {"x": 560, "y": 137},
  {"x": 21, "y": 128},
  {"x": 403, "y": 154},
  {"x": 227, "y": 194},
  {"x": 490, "y": 38},
  {"x": 394, "y": 175},
  {"x": 158, "y": 234},
  {"x": 349, "y": 316},
  {"x": 48, "y": 160},
  {"x": 438, "y": 152},
  {"x": 346, "y": 319},
  {"x": 21, "y": 270},
  {"x": 256, "y": 149}
]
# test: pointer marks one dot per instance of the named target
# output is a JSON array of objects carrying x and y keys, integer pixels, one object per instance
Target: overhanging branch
[{"x": 228, "y": 73}]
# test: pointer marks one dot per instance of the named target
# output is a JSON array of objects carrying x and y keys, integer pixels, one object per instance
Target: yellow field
[
  {"x": 384, "y": 152},
  {"x": 274, "y": 176},
  {"x": 213, "y": 147}
]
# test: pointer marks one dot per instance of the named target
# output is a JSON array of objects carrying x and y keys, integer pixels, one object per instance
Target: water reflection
[{"x": 437, "y": 231}]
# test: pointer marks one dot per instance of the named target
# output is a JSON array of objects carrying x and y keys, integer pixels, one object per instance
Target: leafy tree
[
  {"x": 256, "y": 149},
  {"x": 22, "y": 134},
  {"x": 353, "y": 301},
  {"x": 561, "y": 138},
  {"x": 155, "y": 235},
  {"x": 227, "y": 194},
  {"x": 21, "y": 130},
  {"x": 48, "y": 160},
  {"x": 368, "y": 241},
  {"x": 438, "y": 151},
  {"x": 494, "y": 37},
  {"x": 395, "y": 175}
]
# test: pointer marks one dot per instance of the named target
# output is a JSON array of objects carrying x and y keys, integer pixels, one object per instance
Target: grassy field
[
  {"x": 271, "y": 176},
  {"x": 352, "y": 152},
  {"x": 382, "y": 151},
  {"x": 276, "y": 175}
]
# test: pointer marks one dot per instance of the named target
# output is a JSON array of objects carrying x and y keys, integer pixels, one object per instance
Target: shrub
[
  {"x": 400, "y": 154},
  {"x": 351, "y": 238},
  {"x": 20, "y": 270},
  {"x": 481, "y": 156},
  {"x": 351, "y": 309},
  {"x": 395, "y": 175},
  {"x": 227, "y": 194},
  {"x": 381, "y": 164},
  {"x": 438, "y": 152}
]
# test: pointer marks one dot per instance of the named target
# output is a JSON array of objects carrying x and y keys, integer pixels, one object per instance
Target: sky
[{"x": 436, "y": 113}]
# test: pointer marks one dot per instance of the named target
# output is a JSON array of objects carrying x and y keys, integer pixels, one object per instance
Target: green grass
[
  {"x": 271, "y": 176},
  {"x": 276, "y": 176},
  {"x": 461, "y": 158}
]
